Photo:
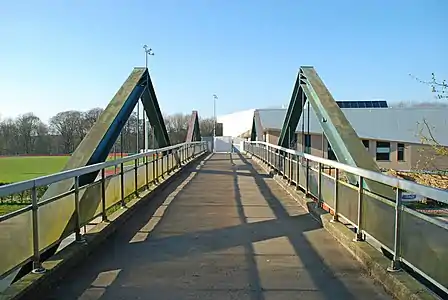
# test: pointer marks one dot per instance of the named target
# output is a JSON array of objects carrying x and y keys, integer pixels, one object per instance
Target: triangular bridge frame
[{"x": 96, "y": 146}]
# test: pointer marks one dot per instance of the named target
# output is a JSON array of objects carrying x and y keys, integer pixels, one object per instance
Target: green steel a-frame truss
[
  {"x": 341, "y": 136},
  {"x": 194, "y": 131},
  {"x": 95, "y": 148}
]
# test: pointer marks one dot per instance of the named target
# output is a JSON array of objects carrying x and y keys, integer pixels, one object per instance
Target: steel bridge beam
[
  {"x": 194, "y": 131},
  {"x": 341, "y": 136},
  {"x": 257, "y": 130},
  {"x": 95, "y": 148}
]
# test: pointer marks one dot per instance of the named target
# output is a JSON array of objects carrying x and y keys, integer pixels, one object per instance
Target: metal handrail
[
  {"x": 273, "y": 156},
  {"x": 17, "y": 187},
  {"x": 185, "y": 150},
  {"x": 437, "y": 194}
]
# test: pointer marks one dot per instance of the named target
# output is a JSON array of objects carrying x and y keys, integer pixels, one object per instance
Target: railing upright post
[
  {"x": 162, "y": 162},
  {"x": 307, "y": 176},
  {"x": 290, "y": 169},
  {"x": 78, "y": 236},
  {"x": 146, "y": 171},
  {"x": 136, "y": 177},
  {"x": 336, "y": 197},
  {"x": 156, "y": 174},
  {"x": 359, "y": 235},
  {"x": 103, "y": 195},
  {"x": 298, "y": 158},
  {"x": 123, "y": 204},
  {"x": 37, "y": 264},
  {"x": 396, "y": 265},
  {"x": 319, "y": 186}
]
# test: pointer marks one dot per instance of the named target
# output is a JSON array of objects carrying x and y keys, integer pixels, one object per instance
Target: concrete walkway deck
[{"x": 227, "y": 231}]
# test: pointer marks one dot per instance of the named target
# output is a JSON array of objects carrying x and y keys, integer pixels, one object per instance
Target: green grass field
[{"x": 19, "y": 168}]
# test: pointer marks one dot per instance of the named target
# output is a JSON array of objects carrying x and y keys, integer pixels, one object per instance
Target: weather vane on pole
[{"x": 148, "y": 51}]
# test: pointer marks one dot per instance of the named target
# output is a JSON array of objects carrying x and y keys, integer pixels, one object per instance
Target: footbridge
[{"x": 181, "y": 222}]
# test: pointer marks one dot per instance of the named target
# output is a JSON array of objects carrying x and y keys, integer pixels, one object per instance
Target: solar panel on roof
[{"x": 362, "y": 104}]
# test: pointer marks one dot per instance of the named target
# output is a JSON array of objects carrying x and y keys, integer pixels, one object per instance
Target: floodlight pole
[
  {"x": 148, "y": 52},
  {"x": 214, "y": 115}
]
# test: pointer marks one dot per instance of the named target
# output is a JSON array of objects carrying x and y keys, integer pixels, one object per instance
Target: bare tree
[
  {"x": 68, "y": 125},
  {"x": 27, "y": 129},
  {"x": 90, "y": 117},
  {"x": 177, "y": 127},
  {"x": 8, "y": 134},
  {"x": 438, "y": 87},
  {"x": 425, "y": 131},
  {"x": 28, "y": 134},
  {"x": 206, "y": 126}
]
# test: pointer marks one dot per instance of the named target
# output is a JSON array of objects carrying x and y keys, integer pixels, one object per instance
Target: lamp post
[
  {"x": 148, "y": 52},
  {"x": 214, "y": 115}
]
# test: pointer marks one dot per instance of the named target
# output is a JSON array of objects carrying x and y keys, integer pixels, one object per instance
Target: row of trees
[{"x": 28, "y": 134}]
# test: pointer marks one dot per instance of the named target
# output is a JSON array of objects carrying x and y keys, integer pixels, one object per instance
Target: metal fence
[
  {"x": 416, "y": 240},
  {"x": 26, "y": 233}
]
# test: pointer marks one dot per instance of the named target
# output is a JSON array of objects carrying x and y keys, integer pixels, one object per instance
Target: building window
[
  {"x": 400, "y": 152},
  {"x": 382, "y": 151},
  {"x": 366, "y": 144},
  {"x": 307, "y": 143},
  {"x": 330, "y": 153}
]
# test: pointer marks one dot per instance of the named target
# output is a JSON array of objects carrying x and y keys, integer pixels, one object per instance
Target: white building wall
[{"x": 237, "y": 123}]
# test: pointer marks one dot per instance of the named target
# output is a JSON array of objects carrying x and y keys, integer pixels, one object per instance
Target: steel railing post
[
  {"x": 396, "y": 265},
  {"x": 336, "y": 197},
  {"x": 290, "y": 168},
  {"x": 359, "y": 235},
  {"x": 123, "y": 204},
  {"x": 298, "y": 158},
  {"x": 136, "y": 177},
  {"x": 78, "y": 237},
  {"x": 146, "y": 171},
  {"x": 103, "y": 195},
  {"x": 156, "y": 165},
  {"x": 37, "y": 264},
  {"x": 319, "y": 186}
]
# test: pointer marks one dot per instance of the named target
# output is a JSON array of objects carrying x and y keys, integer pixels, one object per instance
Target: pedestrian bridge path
[{"x": 223, "y": 230}]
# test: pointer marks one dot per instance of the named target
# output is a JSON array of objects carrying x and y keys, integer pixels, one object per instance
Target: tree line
[{"x": 29, "y": 135}]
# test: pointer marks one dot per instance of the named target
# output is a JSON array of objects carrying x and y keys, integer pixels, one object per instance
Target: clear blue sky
[{"x": 63, "y": 55}]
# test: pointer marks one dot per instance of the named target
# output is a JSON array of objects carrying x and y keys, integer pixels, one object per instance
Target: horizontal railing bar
[
  {"x": 15, "y": 213},
  {"x": 401, "y": 184},
  {"x": 64, "y": 175},
  {"x": 32, "y": 184},
  {"x": 426, "y": 191},
  {"x": 55, "y": 198}
]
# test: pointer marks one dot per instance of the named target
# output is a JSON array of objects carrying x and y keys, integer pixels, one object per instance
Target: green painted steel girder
[
  {"x": 257, "y": 130},
  {"x": 154, "y": 114},
  {"x": 253, "y": 131},
  {"x": 340, "y": 134},
  {"x": 194, "y": 131},
  {"x": 94, "y": 148},
  {"x": 293, "y": 114}
]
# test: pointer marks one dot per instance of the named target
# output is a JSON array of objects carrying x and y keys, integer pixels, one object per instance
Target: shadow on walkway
[{"x": 196, "y": 241}]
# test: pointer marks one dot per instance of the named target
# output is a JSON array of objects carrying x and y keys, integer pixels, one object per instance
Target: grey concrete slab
[{"x": 227, "y": 232}]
